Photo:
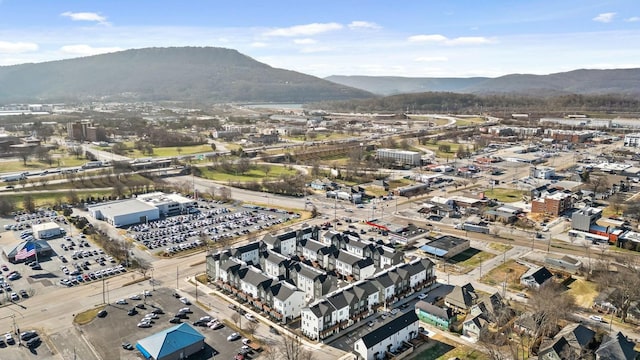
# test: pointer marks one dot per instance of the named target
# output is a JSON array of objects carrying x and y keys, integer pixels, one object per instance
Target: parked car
[
  {"x": 26, "y": 335},
  {"x": 102, "y": 313},
  {"x": 233, "y": 337},
  {"x": 185, "y": 301},
  {"x": 596, "y": 318},
  {"x": 33, "y": 342},
  {"x": 250, "y": 317},
  {"x": 127, "y": 346},
  {"x": 422, "y": 296},
  {"x": 175, "y": 320},
  {"x": 135, "y": 297},
  {"x": 122, "y": 302},
  {"x": 9, "y": 339}
]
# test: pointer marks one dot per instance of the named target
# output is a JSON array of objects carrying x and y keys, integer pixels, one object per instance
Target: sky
[{"x": 411, "y": 38}]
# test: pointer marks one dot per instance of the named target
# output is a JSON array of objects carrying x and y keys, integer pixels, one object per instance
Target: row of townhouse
[
  {"x": 303, "y": 258},
  {"x": 346, "y": 306},
  {"x": 276, "y": 297}
]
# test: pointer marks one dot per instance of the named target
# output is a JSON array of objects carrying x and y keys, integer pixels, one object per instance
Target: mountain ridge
[
  {"x": 580, "y": 81},
  {"x": 205, "y": 74}
]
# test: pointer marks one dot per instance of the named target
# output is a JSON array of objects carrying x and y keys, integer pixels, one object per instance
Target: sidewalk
[{"x": 320, "y": 350}]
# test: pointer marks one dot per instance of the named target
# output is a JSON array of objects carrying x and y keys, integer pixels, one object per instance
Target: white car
[
  {"x": 596, "y": 318},
  {"x": 185, "y": 301},
  {"x": 135, "y": 297},
  {"x": 422, "y": 296},
  {"x": 246, "y": 341},
  {"x": 233, "y": 337},
  {"x": 122, "y": 302},
  {"x": 250, "y": 317}
]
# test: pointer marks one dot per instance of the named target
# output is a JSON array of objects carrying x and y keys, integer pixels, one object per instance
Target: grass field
[
  {"x": 444, "y": 155},
  {"x": 51, "y": 198},
  {"x": 256, "y": 174},
  {"x": 511, "y": 271},
  {"x": 172, "y": 151},
  {"x": 504, "y": 195},
  {"x": 394, "y": 184},
  {"x": 500, "y": 247},
  {"x": 584, "y": 292},
  {"x": 445, "y": 349},
  {"x": 469, "y": 121},
  {"x": 18, "y": 165}
]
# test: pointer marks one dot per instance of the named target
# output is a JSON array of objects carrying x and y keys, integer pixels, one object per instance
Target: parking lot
[
  {"x": 211, "y": 219},
  {"x": 109, "y": 333}
]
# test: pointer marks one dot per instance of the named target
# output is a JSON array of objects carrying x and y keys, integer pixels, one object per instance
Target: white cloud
[
  {"x": 605, "y": 17},
  {"x": 469, "y": 40},
  {"x": 432, "y": 59},
  {"x": 304, "y": 30},
  {"x": 259, "y": 44},
  {"x": 463, "y": 40},
  {"x": 306, "y": 41},
  {"x": 86, "y": 16},
  {"x": 363, "y": 25},
  {"x": 87, "y": 50},
  {"x": 633, "y": 19},
  {"x": 427, "y": 38},
  {"x": 7, "y": 47}
]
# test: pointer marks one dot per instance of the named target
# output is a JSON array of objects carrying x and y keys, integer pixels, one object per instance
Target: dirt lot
[
  {"x": 511, "y": 271},
  {"x": 107, "y": 334}
]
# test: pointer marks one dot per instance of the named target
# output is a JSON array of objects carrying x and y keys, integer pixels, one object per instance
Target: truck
[
  {"x": 92, "y": 165},
  {"x": 14, "y": 177},
  {"x": 475, "y": 228}
]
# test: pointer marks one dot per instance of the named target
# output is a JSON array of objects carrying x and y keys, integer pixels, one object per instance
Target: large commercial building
[
  {"x": 125, "y": 212},
  {"x": 175, "y": 343},
  {"x": 144, "y": 208},
  {"x": 632, "y": 140},
  {"x": 402, "y": 157},
  {"x": 47, "y": 230}
]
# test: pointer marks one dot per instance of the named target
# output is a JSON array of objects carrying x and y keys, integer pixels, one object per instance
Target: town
[{"x": 264, "y": 232}]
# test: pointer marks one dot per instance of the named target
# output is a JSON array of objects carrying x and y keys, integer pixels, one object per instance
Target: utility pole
[
  {"x": 177, "y": 287},
  {"x": 103, "y": 299},
  {"x": 196, "y": 279}
]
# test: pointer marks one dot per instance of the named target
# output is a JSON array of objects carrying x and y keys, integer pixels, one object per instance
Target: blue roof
[
  {"x": 433, "y": 250},
  {"x": 169, "y": 341}
]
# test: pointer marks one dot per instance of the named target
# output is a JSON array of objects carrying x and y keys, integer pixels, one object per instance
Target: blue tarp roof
[
  {"x": 169, "y": 341},
  {"x": 433, "y": 250}
]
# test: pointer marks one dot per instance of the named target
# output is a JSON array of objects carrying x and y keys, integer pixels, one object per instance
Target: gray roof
[
  {"x": 442, "y": 313},
  {"x": 248, "y": 247},
  {"x": 363, "y": 263},
  {"x": 129, "y": 206},
  {"x": 462, "y": 296},
  {"x": 274, "y": 256},
  {"x": 392, "y": 327},
  {"x": 617, "y": 347},
  {"x": 539, "y": 275},
  {"x": 228, "y": 264},
  {"x": 307, "y": 271},
  {"x": 281, "y": 291},
  {"x": 338, "y": 300},
  {"x": 256, "y": 278},
  {"x": 384, "y": 280},
  {"x": 347, "y": 258},
  {"x": 322, "y": 308},
  {"x": 367, "y": 287},
  {"x": 314, "y": 246}
]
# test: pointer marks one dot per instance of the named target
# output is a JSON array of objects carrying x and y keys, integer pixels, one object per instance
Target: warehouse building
[
  {"x": 402, "y": 157},
  {"x": 46, "y": 230},
  {"x": 125, "y": 212},
  {"x": 175, "y": 343}
]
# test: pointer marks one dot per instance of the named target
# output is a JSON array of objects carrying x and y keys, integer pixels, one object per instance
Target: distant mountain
[
  {"x": 586, "y": 82},
  {"x": 186, "y": 73},
  {"x": 391, "y": 85}
]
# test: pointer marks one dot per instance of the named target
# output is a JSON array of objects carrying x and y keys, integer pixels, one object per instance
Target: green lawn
[
  {"x": 469, "y": 121},
  {"x": 50, "y": 198},
  {"x": 255, "y": 174},
  {"x": 504, "y": 195},
  {"x": 18, "y": 165},
  {"x": 446, "y": 155}
]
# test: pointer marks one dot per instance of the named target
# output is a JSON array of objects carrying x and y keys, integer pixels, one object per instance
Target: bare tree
[
  {"x": 495, "y": 344},
  {"x": 616, "y": 202},
  {"x": 624, "y": 283},
  {"x": 293, "y": 349},
  {"x": 237, "y": 319},
  {"x": 251, "y": 328},
  {"x": 598, "y": 183},
  {"x": 549, "y": 304}
]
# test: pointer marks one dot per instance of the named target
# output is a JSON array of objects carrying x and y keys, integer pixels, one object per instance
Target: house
[
  {"x": 286, "y": 244},
  {"x": 574, "y": 341},
  {"x": 317, "y": 320},
  {"x": 255, "y": 283},
  {"x": 473, "y": 326},
  {"x": 286, "y": 299},
  {"x": 617, "y": 347},
  {"x": 274, "y": 264},
  {"x": 315, "y": 283},
  {"x": 434, "y": 315},
  {"x": 526, "y": 324},
  {"x": 461, "y": 298},
  {"x": 316, "y": 251},
  {"x": 387, "y": 338},
  {"x": 535, "y": 277},
  {"x": 247, "y": 253},
  {"x": 445, "y": 246}
]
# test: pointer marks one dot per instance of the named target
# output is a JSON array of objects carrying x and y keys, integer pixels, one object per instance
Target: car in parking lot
[
  {"x": 233, "y": 337},
  {"x": 24, "y": 294},
  {"x": 32, "y": 343},
  {"x": 175, "y": 320},
  {"x": 26, "y": 335},
  {"x": 9, "y": 339},
  {"x": 127, "y": 346},
  {"x": 132, "y": 312},
  {"x": 14, "y": 297},
  {"x": 185, "y": 301},
  {"x": 144, "y": 324}
]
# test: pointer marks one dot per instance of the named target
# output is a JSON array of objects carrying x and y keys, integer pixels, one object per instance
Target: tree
[
  {"x": 237, "y": 319},
  {"x": 549, "y": 304},
  {"x": 7, "y": 205},
  {"x": 243, "y": 165},
  {"x": 25, "y": 155},
  {"x": 624, "y": 283},
  {"x": 598, "y": 183},
  {"x": 72, "y": 197},
  {"x": 28, "y": 203},
  {"x": 142, "y": 265},
  {"x": 213, "y": 146},
  {"x": 251, "y": 328},
  {"x": 292, "y": 349},
  {"x": 616, "y": 202}
]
